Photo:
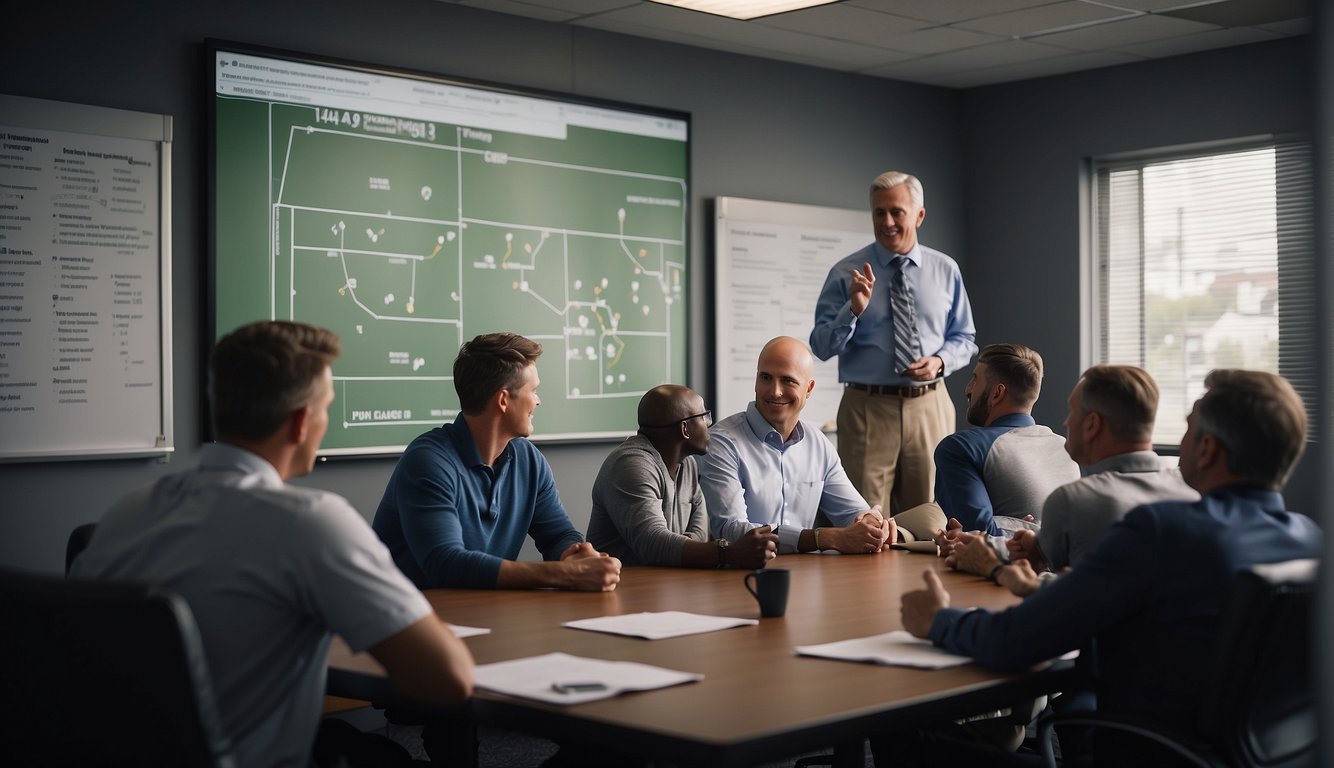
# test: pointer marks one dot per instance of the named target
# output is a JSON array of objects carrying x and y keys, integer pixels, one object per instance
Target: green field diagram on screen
[{"x": 408, "y": 248}]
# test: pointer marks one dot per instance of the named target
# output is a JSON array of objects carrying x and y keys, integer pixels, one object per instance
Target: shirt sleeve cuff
[{"x": 942, "y": 627}]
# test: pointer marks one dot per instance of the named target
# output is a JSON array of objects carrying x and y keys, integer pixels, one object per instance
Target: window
[{"x": 1205, "y": 261}]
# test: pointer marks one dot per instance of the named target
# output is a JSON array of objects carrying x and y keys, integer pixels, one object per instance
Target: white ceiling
[{"x": 952, "y": 43}]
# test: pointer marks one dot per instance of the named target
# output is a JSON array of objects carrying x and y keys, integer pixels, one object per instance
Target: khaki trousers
[{"x": 887, "y": 444}]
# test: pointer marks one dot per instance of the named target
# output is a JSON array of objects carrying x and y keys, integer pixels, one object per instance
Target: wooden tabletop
[{"x": 758, "y": 700}]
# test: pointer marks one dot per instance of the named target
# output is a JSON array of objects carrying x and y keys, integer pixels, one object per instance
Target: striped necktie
[{"x": 907, "y": 347}]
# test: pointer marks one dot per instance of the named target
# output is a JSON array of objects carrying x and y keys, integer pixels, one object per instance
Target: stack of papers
[
  {"x": 897, "y": 648},
  {"x": 559, "y": 678},
  {"x": 660, "y": 625},
  {"x": 463, "y": 631}
]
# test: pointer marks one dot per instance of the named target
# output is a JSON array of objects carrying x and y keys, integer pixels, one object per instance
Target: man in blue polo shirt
[{"x": 465, "y": 495}]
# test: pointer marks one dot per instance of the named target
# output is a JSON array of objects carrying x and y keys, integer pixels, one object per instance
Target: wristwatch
[{"x": 723, "y": 544}]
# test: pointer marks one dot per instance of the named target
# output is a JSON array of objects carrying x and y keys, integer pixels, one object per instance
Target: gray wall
[
  {"x": 1000, "y": 163},
  {"x": 1025, "y": 146},
  {"x": 761, "y": 129}
]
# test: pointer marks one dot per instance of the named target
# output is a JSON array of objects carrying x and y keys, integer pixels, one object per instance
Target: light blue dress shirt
[
  {"x": 865, "y": 344},
  {"x": 752, "y": 478}
]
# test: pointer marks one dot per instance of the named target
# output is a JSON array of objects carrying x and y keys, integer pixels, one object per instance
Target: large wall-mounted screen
[{"x": 410, "y": 213}]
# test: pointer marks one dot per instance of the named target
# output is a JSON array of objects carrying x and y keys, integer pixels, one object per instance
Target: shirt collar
[
  {"x": 765, "y": 432},
  {"x": 1014, "y": 420},
  {"x": 884, "y": 256},
  {"x": 233, "y": 457},
  {"x": 467, "y": 447},
  {"x": 1134, "y": 461}
]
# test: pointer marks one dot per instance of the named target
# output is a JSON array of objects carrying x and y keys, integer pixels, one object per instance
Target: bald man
[
  {"x": 765, "y": 467},
  {"x": 648, "y": 508}
]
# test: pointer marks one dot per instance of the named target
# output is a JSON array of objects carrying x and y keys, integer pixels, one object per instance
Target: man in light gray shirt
[
  {"x": 1109, "y": 431},
  {"x": 648, "y": 508}
]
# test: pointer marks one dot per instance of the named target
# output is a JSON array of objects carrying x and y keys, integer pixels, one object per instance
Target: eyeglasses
[{"x": 706, "y": 415}]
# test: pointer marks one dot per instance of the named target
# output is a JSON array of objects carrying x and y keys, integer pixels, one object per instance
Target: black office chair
[
  {"x": 78, "y": 542},
  {"x": 1258, "y": 707},
  {"x": 103, "y": 675}
]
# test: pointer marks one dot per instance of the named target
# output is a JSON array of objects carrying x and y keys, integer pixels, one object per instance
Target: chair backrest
[
  {"x": 78, "y": 542},
  {"x": 1259, "y": 709},
  {"x": 104, "y": 675}
]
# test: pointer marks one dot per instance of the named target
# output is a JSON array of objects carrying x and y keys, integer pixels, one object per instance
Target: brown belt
[{"x": 889, "y": 389}]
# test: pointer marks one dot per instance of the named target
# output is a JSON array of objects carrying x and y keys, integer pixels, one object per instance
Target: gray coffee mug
[{"x": 770, "y": 590}]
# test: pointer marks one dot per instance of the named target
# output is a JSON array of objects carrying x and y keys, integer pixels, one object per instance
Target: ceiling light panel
[{"x": 744, "y": 9}]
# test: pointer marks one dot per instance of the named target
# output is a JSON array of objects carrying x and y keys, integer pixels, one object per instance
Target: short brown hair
[
  {"x": 1125, "y": 396},
  {"x": 489, "y": 363},
  {"x": 1017, "y": 367},
  {"x": 1259, "y": 418},
  {"x": 260, "y": 373}
]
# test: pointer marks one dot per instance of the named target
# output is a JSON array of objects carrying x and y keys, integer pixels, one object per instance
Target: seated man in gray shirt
[
  {"x": 648, "y": 508},
  {"x": 1109, "y": 432},
  {"x": 271, "y": 570}
]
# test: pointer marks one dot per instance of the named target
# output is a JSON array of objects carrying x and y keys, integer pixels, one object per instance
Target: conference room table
[{"x": 758, "y": 701}]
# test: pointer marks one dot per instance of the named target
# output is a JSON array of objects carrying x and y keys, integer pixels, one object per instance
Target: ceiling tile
[
  {"x": 1030, "y": 20},
  {"x": 660, "y": 21},
  {"x": 1025, "y": 70},
  {"x": 945, "y": 11},
  {"x": 1151, "y": 5},
  {"x": 1118, "y": 34},
  {"x": 993, "y": 55},
  {"x": 567, "y": 8},
  {"x": 518, "y": 9},
  {"x": 652, "y": 16},
  {"x": 938, "y": 40},
  {"x": 844, "y": 22},
  {"x": 1203, "y": 41},
  {"x": 1244, "y": 13}
]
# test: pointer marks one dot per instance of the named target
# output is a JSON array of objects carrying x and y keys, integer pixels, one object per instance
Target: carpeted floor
[{"x": 496, "y": 748}]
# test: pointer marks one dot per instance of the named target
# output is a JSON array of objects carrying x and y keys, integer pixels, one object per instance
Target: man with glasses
[
  {"x": 648, "y": 508},
  {"x": 765, "y": 467}
]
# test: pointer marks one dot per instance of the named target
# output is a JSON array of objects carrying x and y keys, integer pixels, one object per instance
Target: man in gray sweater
[{"x": 648, "y": 508}]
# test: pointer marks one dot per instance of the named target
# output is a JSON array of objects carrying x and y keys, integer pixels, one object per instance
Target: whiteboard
[
  {"x": 771, "y": 260},
  {"x": 85, "y": 282}
]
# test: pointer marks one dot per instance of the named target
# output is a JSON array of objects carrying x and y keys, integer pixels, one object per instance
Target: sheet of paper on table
[
  {"x": 659, "y": 625},
  {"x": 581, "y": 679},
  {"x": 897, "y": 648},
  {"x": 463, "y": 631}
]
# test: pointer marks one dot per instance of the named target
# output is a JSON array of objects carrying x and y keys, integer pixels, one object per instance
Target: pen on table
[{"x": 577, "y": 687}]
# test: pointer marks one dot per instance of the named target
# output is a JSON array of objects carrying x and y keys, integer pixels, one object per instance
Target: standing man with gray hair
[{"x": 895, "y": 346}]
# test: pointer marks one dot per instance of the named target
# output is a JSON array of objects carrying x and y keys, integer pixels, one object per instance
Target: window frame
[{"x": 1094, "y": 226}]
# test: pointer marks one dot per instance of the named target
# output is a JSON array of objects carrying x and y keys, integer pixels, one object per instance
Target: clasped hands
[
  {"x": 973, "y": 553},
  {"x": 590, "y": 570},
  {"x": 868, "y": 533}
]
